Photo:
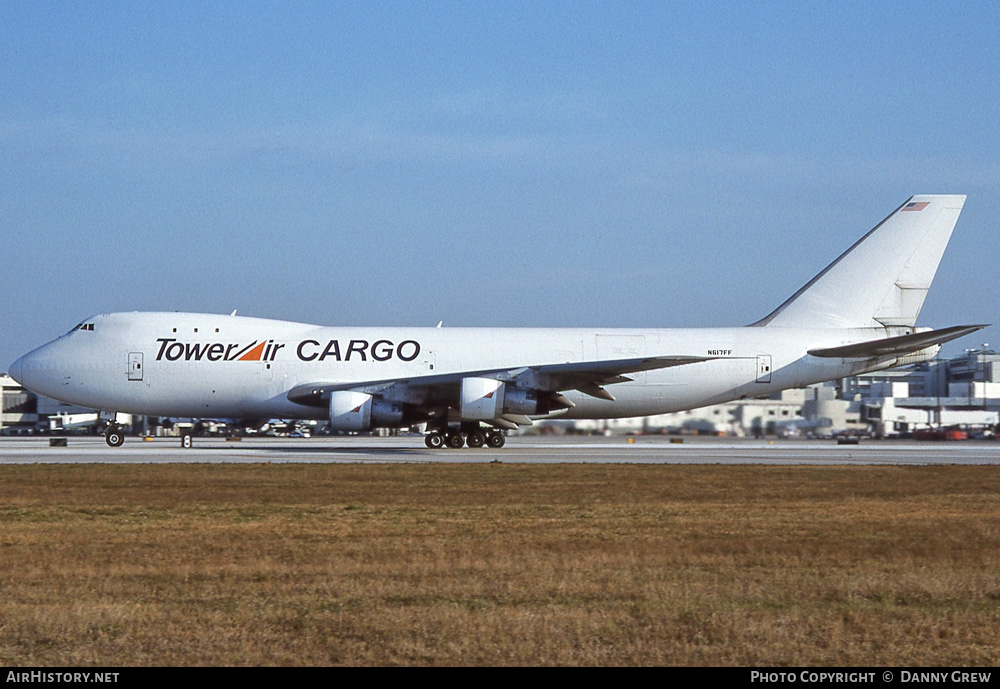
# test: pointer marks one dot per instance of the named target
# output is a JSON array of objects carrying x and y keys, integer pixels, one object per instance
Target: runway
[{"x": 519, "y": 450}]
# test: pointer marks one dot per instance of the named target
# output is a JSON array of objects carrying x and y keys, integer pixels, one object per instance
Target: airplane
[{"x": 468, "y": 385}]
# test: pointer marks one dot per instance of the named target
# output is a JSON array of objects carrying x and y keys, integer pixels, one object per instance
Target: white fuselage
[{"x": 214, "y": 366}]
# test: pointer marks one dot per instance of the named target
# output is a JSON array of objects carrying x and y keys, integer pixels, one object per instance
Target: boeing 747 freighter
[{"x": 469, "y": 384}]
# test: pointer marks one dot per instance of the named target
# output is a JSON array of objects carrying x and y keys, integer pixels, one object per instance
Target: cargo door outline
[
  {"x": 763, "y": 368},
  {"x": 135, "y": 365}
]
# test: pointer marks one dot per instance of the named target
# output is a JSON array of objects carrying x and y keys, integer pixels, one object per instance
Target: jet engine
[
  {"x": 359, "y": 411},
  {"x": 485, "y": 399}
]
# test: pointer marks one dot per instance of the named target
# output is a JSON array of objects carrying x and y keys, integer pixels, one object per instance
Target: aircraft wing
[
  {"x": 587, "y": 377},
  {"x": 903, "y": 344}
]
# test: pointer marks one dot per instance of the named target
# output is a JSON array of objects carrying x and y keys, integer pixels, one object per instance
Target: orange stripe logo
[{"x": 254, "y": 354}]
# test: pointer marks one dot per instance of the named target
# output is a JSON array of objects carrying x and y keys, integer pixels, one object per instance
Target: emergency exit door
[{"x": 135, "y": 366}]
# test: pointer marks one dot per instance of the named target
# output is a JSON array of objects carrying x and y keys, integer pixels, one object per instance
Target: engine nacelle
[
  {"x": 481, "y": 399},
  {"x": 350, "y": 411},
  {"x": 359, "y": 411},
  {"x": 485, "y": 399}
]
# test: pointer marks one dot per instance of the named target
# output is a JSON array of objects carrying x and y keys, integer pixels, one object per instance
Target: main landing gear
[{"x": 475, "y": 436}]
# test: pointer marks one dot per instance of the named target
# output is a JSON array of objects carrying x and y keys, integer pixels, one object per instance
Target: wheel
[
  {"x": 476, "y": 439},
  {"x": 434, "y": 440},
  {"x": 186, "y": 440},
  {"x": 495, "y": 440},
  {"x": 113, "y": 437},
  {"x": 455, "y": 440}
]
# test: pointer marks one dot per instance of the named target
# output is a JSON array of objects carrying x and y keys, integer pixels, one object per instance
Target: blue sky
[{"x": 647, "y": 164}]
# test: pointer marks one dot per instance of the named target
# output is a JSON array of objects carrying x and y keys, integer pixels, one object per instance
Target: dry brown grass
[{"x": 499, "y": 564}]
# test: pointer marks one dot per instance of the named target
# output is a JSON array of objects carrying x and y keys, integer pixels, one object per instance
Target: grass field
[{"x": 499, "y": 564}]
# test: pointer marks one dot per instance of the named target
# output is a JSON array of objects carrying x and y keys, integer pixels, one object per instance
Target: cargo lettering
[{"x": 358, "y": 350}]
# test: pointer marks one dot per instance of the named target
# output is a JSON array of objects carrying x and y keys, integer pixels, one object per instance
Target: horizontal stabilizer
[{"x": 904, "y": 344}]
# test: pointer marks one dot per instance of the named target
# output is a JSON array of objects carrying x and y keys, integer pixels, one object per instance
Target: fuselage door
[
  {"x": 135, "y": 366},
  {"x": 763, "y": 368}
]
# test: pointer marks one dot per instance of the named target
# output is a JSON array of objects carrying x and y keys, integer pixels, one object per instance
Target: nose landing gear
[{"x": 113, "y": 436}]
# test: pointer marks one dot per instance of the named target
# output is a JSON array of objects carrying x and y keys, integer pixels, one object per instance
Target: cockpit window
[{"x": 83, "y": 326}]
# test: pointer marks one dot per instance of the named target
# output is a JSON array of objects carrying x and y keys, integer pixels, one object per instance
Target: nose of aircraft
[{"x": 16, "y": 369}]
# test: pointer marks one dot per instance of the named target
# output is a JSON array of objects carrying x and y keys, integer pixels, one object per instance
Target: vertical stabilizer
[{"x": 881, "y": 280}]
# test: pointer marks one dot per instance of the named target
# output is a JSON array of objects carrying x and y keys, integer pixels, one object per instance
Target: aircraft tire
[
  {"x": 114, "y": 438},
  {"x": 434, "y": 440},
  {"x": 476, "y": 439},
  {"x": 495, "y": 440},
  {"x": 455, "y": 440}
]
